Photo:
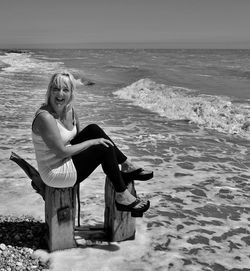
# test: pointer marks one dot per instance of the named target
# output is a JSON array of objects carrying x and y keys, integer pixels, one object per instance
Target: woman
[{"x": 66, "y": 156}]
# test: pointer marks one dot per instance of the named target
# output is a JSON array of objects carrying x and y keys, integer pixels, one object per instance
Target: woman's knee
[
  {"x": 94, "y": 129},
  {"x": 106, "y": 151}
]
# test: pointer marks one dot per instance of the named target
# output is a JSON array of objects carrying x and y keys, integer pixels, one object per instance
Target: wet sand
[{"x": 199, "y": 215}]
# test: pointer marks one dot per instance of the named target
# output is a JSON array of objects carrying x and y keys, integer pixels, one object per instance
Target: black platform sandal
[
  {"x": 137, "y": 174},
  {"x": 135, "y": 212}
]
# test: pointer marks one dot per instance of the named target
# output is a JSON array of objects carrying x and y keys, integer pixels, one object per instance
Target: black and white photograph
[{"x": 125, "y": 135}]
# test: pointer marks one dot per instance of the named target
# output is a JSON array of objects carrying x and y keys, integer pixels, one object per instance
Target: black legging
[{"x": 88, "y": 160}]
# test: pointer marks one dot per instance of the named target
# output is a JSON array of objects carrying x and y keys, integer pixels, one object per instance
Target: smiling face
[
  {"x": 60, "y": 97},
  {"x": 60, "y": 91}
]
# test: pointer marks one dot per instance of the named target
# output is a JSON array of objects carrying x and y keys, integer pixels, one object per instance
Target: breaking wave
[
  {"x": 24, "y": 62},
  {"x": 177, "y": 103}
]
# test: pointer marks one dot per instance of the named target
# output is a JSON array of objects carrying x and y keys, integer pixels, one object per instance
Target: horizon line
[{"x": 128, "y": 45}]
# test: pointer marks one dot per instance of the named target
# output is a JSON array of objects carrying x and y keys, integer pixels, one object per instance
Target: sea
[{"x": 185, "y": 114}]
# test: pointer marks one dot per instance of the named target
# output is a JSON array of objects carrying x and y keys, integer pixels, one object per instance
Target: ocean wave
[
  {"x": 3, "y": 65},
  {"x": 204, "y": 75},
  {"x": 177, "y": 103},
  {"x": 122, "y": 67},
  {"x": 25, "y": 62}
]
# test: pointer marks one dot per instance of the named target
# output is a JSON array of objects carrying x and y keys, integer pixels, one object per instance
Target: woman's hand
[{"x": 102, "y": 141}]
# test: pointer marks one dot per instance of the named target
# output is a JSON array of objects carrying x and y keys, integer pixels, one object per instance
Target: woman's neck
[{"x": 59, "y": 114}]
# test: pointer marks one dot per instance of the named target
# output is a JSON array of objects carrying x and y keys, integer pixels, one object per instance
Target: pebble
[
  {"x": 17, "y": 237},
  {"x": 21, "y": 237},
  {"x": 5, "y": 253},
  {"x": 3, "y": 246}
]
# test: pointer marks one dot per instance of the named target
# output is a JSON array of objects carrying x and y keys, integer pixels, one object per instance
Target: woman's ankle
[
  {"x": 124, "y": 166},
  {"x": 127, "y": 166},
  {"x": 124, "y": 197}
]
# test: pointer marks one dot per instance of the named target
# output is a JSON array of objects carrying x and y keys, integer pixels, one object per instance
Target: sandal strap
[
  {"x": 138, "y": 201},
  {"x": 133, "y": 204},
  {"x": 136, "y": 171}
]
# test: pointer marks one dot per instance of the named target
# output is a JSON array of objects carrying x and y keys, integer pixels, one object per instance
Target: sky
[{"x": 125, "y": 23}]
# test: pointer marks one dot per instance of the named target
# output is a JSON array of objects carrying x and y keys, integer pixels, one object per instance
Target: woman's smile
[
  {"x": 59, "y": 100},
  {"x": 60, "y": 97}
]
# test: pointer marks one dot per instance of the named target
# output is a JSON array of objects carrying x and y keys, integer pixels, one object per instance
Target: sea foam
[
  {"x": 24, "y": 62},
  {"x": 178, "y": 103}
]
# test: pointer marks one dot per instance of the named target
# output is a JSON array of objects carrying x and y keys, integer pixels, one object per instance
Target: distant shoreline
[
  {"x": 27, "y": 49},
  {"x": 132, "y": 45}
]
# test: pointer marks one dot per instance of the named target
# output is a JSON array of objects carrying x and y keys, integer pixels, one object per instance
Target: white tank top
[{"x": 54, "y": 171}]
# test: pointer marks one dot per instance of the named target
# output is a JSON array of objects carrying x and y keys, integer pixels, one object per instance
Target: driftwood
[
  {"x": 119, "y": 226},
  {"x": 60, "y": 217},
  {"x": 60, "y": 212},
  {"x": 36, "y": 180}
]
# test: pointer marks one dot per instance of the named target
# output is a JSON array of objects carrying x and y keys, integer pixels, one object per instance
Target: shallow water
[{"x": 199, "y": 215}]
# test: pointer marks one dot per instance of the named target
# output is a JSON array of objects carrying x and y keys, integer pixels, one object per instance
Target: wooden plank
[
  {"x": 60, "y": 217},
  {"x": 119, "y": 226},
  {"x": 90, "y": 235}
]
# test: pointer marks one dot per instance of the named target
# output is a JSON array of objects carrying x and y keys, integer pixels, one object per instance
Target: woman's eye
[{"x": 56, "y": 89}]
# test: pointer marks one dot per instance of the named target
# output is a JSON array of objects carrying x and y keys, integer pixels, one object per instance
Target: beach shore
[
  {"x": 20, "y": 239},
  {"x": 185, "y": 228},
  {"x": 199, "y": 214}
]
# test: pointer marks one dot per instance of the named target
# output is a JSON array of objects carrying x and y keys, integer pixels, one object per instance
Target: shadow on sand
[{"x": 27, "y": 232}]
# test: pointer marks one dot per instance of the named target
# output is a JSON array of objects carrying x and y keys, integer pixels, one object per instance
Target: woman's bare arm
[{"x": 46, "y": 125}]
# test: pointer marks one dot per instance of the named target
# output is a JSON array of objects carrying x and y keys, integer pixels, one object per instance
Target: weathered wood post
[
  {"x": 60, "y": 217},
  {"x": 119, "y": 226},
  {"x": 60, "y": 211}
]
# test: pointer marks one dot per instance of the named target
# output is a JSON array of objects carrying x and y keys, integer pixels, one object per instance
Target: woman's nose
[{"x": 60, "y": 91}]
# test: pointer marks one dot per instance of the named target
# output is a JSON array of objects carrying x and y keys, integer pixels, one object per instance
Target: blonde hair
[{"x": 61, "y": 80}]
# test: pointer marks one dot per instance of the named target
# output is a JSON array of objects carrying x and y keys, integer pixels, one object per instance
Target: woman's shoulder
[
  {"x": 42, "y": 115},
  {"x": 42, "y": 108},
  {"x": 43, "y": 111}
]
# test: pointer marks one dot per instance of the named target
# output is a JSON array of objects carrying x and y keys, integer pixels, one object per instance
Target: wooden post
[
  {"x": 60, "y": 217},
  {"x": 60, "y": 212},
  {"x": 119, "y": 226}
]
